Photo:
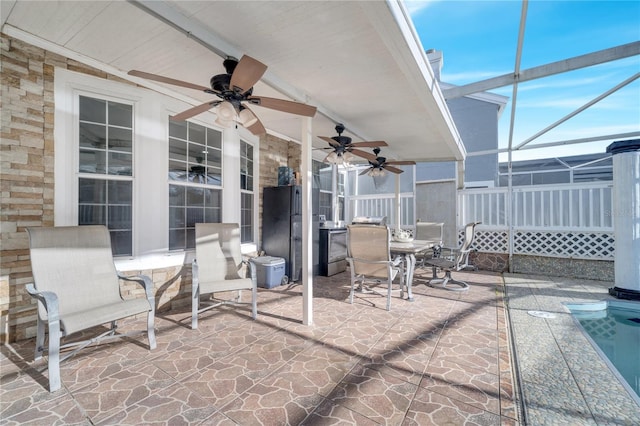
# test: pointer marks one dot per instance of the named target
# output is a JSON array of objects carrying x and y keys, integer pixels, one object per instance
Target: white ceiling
[{"x": 359, "y": 62}]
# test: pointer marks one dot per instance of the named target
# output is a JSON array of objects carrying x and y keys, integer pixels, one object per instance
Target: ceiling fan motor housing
[
  {"x": 230, "y": 64},
  {"x": 220, "y": 84},
  {"x": 342, "y": 140}
]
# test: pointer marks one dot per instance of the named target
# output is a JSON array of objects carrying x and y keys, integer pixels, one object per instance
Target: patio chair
[
  {"x": 453, "y": 261},
  {"x": 77, "y": 287},
  {"x": 219, "y": 267},
  {"x": 430, "y": 231},
  {"x": 370, "y": 259}
]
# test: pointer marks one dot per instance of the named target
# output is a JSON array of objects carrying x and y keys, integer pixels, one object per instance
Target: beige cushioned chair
[
  {"x": 370, "y": 259},
  {"x": 77, "y": 288},
  {"x": 219, "y": 267}
]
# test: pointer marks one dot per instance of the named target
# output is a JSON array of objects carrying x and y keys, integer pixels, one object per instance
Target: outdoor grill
[{"x": 369, "y": 220}]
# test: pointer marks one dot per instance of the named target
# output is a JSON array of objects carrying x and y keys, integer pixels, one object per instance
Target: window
[
  {"x": 120, "y": 162},
  {"x": 246, "y": 188},
  {"x": 322, "y": 176},
  {"x": 195, "y": 175},
  {"x": 105, "y": 169},
  {"x": 340, "y": 195}
]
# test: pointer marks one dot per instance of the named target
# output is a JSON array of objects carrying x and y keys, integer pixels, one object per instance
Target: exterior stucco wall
[{"x": 477, "y": 123}]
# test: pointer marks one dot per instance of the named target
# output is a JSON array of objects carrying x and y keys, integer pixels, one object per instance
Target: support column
[
  {"x": 626, "y": 218},
  {"x": 231, "y": 176},
  {"x": 307, "y": 222}
]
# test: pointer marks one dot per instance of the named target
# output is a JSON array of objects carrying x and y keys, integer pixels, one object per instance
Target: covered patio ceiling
[{"x": 360, "y": 63}]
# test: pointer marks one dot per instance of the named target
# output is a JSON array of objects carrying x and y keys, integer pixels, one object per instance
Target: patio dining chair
[
  {"x": 218, "y": 268},
  {"x": 77, "y": 288},
  {"x": 430, "y": 231},
  {"x": 453, "y": 260},
  {"x": 370, "y": 260}
]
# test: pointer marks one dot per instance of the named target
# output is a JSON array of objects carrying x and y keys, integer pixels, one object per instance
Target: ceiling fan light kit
[
  {"x": 376, "y": 172},
  {"x": 233, "y": 88},
  {"x": 226, "y": 111},
  {"x": 247, "y": 118},
  {"x": 225, "y": 124},
  {"x": 344, "y": 150},
  {"x": 379, "y": 165}
]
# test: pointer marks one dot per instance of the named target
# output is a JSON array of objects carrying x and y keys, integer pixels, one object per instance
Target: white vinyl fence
[
  {"x": 379, "y": 205},
  {"x": 572, "y": 220}
]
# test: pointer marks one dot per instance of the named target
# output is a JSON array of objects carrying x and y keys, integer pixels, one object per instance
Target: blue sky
[{"x": 479, "y": 39}]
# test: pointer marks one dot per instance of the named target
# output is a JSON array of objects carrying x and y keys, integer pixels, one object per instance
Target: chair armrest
[
  {"x": 48, "y": 299},
  {"x": 449, "y": 252},
  {"x": 252, "y": 270},
  {"x": 375, "y": 262},
  {"x": 145, "y": 282}
]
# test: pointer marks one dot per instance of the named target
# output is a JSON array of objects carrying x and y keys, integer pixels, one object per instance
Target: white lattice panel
[
  {"x": 579, "y": 245},
  {"x": 583, "y": 245},
  {"x": 487, "y": 241}
]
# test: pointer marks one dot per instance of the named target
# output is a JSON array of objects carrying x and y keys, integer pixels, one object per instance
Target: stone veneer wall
[
  {"x": 27, "y": 182},
  {"x": 602, "y": 270},
  {"x": 26, "y": 171},
  {"x": 496, "y": 262}
]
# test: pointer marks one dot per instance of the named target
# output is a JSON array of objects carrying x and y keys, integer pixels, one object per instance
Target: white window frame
[
  {"x": 253, "y": 192},
  {"x": 196, "y": 185}
]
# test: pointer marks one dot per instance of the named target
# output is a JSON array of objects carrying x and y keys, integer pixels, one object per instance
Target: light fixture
[
  {"x": 246, "y": 117},
  {"x": 226, "y": 113},
  {"x": 376, "y": 172},
  {"x": 332, "y": 158},
  {"x": 339, "y": 157}
]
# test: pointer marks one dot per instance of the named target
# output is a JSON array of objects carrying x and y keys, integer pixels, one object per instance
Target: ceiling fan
[
  {"x": 235, "y": 90},
  {"x": 378, "y": 165},
  {"x": 344, "y": 151}
]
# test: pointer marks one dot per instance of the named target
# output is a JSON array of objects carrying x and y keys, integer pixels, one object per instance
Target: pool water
[{"x": 614, "y": 326}]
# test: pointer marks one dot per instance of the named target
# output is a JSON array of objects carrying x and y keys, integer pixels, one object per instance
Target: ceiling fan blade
[
  {"x": 363, "y": 154},
  {"x": 246, "y": 74},
  {"x": 402, "y": 163},
  {"x": 257, "y": 128},
  {"x": 369, "y": 144},
  {"x": 329, "y": 141},
  {"x": 284, "y": 106},
  {"x": 392, "y": 169},
  {"x": 194, "y": 111},
  {"x": 168, "y": 80},
  {"x": 364, "y": 172}
]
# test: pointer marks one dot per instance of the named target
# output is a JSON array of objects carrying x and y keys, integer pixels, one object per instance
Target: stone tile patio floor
[{"x": 443, "y": 359}]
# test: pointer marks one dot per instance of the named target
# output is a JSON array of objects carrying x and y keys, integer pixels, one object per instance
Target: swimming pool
[{"x": 614, "y": 329}]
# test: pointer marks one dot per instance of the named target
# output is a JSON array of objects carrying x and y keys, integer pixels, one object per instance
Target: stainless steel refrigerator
[{"x": 282, "y": 227}]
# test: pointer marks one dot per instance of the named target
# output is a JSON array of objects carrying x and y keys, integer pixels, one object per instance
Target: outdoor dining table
[{"x": 408, "y": 251}]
